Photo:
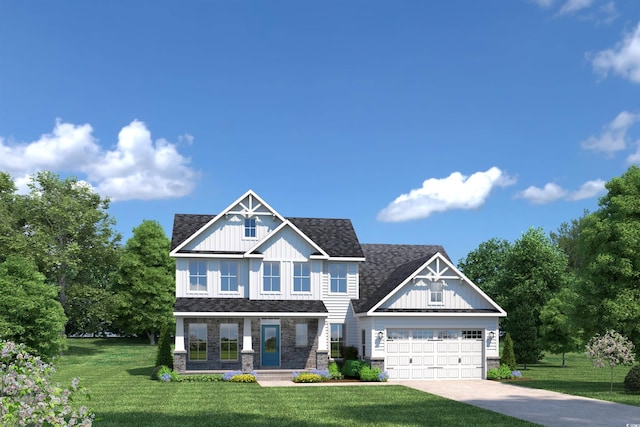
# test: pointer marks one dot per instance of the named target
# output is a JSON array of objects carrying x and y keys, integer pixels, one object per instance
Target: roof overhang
[{"x": 248, "y": 314}]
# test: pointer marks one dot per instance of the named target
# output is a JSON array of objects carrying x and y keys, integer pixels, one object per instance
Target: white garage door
[{"x": 433, "y": 354}]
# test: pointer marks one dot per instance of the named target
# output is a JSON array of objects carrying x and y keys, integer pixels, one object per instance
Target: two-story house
[{"x": 256, "y": 290}]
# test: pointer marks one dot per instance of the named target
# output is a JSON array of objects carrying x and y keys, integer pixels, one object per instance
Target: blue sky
[{"x": 423, "y": 122}]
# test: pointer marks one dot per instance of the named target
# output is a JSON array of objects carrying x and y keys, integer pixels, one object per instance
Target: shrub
[
  {"x": 501, "y": 373},
  {"x": 632, "y": 380},
  {"x": 242, "y": 377},
  {"x": 164, "y": 355},
  {"x": 508, "y": 356},
  {"x": 307, "y": 377},
  {"x": 349, "y": 352},
  {"x": 334, "y": 370},
  {"x": 200, "y": 378},
  {"x": 352, "y": 368},
  {"x": 166, "y": 374},
  {"x": 372, "y": 374},
  {"x": 154, "y": 373},
  {"x": 29, "y": 397}
]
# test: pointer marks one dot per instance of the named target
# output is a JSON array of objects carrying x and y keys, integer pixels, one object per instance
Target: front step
[{"x": 276, "y": 374}]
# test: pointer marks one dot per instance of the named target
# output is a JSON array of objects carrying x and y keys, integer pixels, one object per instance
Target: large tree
[
  {"x": 29, "y": 309},
  {"x": 609, "y": 246},
  {"x": 146, "y": 281},
  {"x": 559, "y": 331},
  {"x": 485, "y": 264},
  {"x": 70, "y": 232}
]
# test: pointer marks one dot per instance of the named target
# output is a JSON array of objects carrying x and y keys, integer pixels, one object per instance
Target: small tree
[
  {"x": 508, "y": 356},
  {"x": 610, "y": 349},
  {"x": 164, "y": 356},
  {"x": 27, "y": 396}
]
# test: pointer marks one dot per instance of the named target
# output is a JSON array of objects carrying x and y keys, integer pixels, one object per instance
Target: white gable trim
[
  {"x": 227, "y": 210},
  {"x": 433, "y": 275},
  {"x": 289, "y": 224},
  {"x": 246, "y": 314}
]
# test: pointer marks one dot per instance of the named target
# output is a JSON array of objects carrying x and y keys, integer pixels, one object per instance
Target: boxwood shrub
[{"x": 632, "y": 380}]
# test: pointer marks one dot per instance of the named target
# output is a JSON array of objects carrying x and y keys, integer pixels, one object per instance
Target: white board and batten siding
[
  {"x": 227, "y": 234},
  {"x": 457, "y": 294}
]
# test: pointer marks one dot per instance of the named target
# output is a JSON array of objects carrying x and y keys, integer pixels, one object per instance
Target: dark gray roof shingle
[
  {"x": 184, "y": 225},
  {"x": 386, "y": 267},
  {"x": 242, "y": 305}
]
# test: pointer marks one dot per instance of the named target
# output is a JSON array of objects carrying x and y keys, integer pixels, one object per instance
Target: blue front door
[{"x": 270, "y": 345}]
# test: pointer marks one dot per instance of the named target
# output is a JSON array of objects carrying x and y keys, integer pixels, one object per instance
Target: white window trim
[
  {"x": 244, "y": 230},
  {"x": 237, "y": 276},
  {"x": 206, "y": 278},
  {"x": 262, "y": 290},
  {"x": 206, "y": 344},
  {"x": 306, "y": 335},
  {"x": 237, "y": 343},
  {"x": 293, "y": 277},
  {"x": 346, "y": 279}
]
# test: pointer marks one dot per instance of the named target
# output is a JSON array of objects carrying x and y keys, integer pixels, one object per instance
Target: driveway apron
[{"x": 543, "y": 407}]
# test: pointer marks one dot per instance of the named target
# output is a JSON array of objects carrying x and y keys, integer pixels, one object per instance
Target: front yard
[{"x": 117, "y": 374}]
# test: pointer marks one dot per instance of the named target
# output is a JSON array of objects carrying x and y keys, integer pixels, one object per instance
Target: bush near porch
[{"x": 117, "y": 374}]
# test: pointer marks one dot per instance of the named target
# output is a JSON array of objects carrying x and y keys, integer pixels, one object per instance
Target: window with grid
[
  {"x": 197, "y": 341},
  {"x": 337, "y": 339},
  {"x": 471, "y": 335},
  {"x": 271, "y": 277},
  {"x": 249, "y": 227},
  {"x": 228, "y": 276},
  {"x": 197, "y": 276},
  {"x": 338, "y": 274},
  {"x": 228, "y": 341},
  {"x": 301, "y": 277},
  {"x": 302, "y": 339}
]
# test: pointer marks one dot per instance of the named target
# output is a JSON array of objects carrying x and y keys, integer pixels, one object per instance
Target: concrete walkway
[{"x": 543, "y": 407}]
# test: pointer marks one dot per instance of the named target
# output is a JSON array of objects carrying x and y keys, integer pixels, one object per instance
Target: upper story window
[
  {"x": 436, "y": 294},
  {"x": 249, "y": 227},
  {"x": 338, "y": 274},
  {"x": 197, "y": 276},
  {"x": 228, "y": 276},
  {"x": 271, "y": 277},
  {"x": 301, "y": 277}
]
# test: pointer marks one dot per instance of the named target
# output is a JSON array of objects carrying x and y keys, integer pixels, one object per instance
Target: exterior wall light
[
  {"x": 492, "y": 335},
  {"x": 380, "y": 335}
]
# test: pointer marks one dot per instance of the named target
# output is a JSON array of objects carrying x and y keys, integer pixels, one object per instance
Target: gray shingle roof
[
  {"x": 242, "y": 305},
  {"x": 335, "y": 236},
  {"x": 386, "y": 267}
]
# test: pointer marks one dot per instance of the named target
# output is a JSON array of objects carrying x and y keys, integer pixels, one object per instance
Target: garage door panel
[{"x": 416, "y": 355}]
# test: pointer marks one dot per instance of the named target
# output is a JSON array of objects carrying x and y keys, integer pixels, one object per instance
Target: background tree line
[
  {"x": 561, "y": 289},
  {"x": 63, "y": 269}
]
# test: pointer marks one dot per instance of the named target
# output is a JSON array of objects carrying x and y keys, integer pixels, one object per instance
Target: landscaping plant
[
  {"x": 610, "y": 349},
  {"x": 334, "y": 370},
  {"x": 632, "y": 380},
  {"x": 164, "y": 355},
  {"x": 27, "y": 395},
  {"x": 508, "y": 356}
]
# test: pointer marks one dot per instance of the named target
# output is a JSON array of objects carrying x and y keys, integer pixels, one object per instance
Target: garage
[{"x": 419, "y": 354}]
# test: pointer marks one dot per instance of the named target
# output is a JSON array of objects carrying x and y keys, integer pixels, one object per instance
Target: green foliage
[
  {"x": 243, "y": 378},
  {"x": 200, "y": 378},
  {"x": 146, "y": 281},
  {"x": 369, "y": 374},
  {"x": 508, "y": 356},
  {"x": 154, "y": 372},
  {"x": 90, "y": 309},
  {"x": 351, "y": 368},
  {"x": 349, "y": 352},
  {"x": 166, "y": 374},
  {"x": 501, "y": 373},
  {"x": 29, "y": 397},
  {"x": 484, "y": 266},
  {"x": 609, "y": 245},
  {"x": 632, "y": 379},
  {"x": 334, "y": 371},
  {"x": 164, "y": 355},
  {"x": 559, "y": 332},
  {"x": 307, "y": 377},
  {"x": 29, "y": 309},
  {"x": 610, "y": 349}
]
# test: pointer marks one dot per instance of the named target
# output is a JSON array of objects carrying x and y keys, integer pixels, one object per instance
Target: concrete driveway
[{"x": 543, "y": 407}]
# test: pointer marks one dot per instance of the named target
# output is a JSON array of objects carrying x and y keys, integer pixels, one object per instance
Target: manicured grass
[
  {"x": 117, "y": 374},
  {"x": 579, "y": 378}
]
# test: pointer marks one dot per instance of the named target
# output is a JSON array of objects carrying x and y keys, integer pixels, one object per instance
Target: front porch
[{"x": 216, "y": 344}]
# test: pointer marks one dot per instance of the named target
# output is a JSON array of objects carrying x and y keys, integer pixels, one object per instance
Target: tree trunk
[
  {"x": 563, "y": 359},
  {"x": 611, "y": 389},
  {"x": 152, "y": 337}
]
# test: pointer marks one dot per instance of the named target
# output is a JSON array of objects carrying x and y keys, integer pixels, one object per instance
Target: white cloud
[
  {"x": 137, "y": 168},
  {"x": 635, "y": 157},
  {"x": 552, "y": 192},
  {"x": 541, "y": 196},
  {"x": 587, "y": 190},
  {"x": 573, "y": 6},
  {"x": 623, "y": 59},
  {"x": 457, "y": 191},
  {"x": 614, "y": 135}
]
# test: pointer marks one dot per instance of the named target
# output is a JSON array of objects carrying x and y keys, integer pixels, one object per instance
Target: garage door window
[
  {"x": 398, "y": 334},
  {"x": 448, "y": 335},
  {"x": 422, "y": 334},
  {"x": 471, "y": 335}
]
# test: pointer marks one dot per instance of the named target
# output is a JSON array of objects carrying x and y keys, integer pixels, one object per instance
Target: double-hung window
[
  {"x": 197, "y": 276},
  {"x": 436, "y": 294},
  {"x": 228, "y": 341},
  {"x": 338, "y": 274},
  {"x": 301, "y": 277},
  {"x": 337, "y": 339},
  {"x": 198, "y": 341},
  {"x": 302, "y": 339},
  {"x": 271, "y": 277},
  {"x": 228, "y": 276},
  {"x": 250, "y": 227}
]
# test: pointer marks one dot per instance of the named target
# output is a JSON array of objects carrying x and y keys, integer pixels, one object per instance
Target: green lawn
[
  {"x": 579, "y": 378},
  {"x": 117, "y": 374}
]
